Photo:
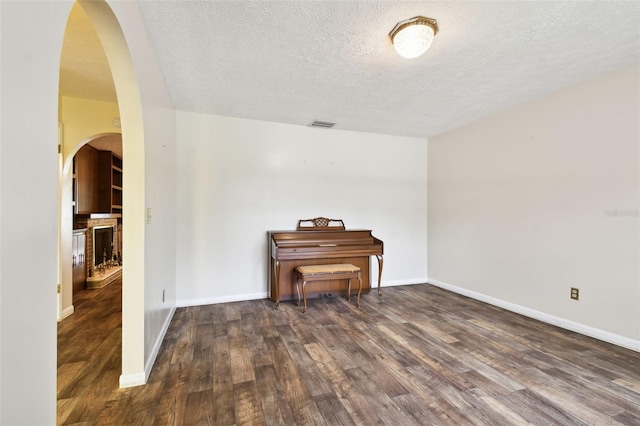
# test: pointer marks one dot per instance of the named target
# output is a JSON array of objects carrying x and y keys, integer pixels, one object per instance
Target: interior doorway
[
  {"x": 125, "y": 113},
  {"x": 89, "y": 139}
]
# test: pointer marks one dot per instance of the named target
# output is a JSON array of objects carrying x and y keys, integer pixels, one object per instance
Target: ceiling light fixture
[{"x": 412, "y": 37}]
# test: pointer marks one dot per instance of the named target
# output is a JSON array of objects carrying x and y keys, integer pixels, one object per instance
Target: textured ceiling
[
  {"x": 109, "y": 142},
  {"x": 296, "y": 61}
]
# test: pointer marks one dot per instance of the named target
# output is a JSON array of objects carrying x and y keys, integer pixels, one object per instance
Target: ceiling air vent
[{"x": 322, "y": 124}]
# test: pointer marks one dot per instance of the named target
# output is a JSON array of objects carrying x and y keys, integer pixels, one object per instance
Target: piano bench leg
[
  {"x": 358, "y": 277},
  {"x": 304, "y": 296}
]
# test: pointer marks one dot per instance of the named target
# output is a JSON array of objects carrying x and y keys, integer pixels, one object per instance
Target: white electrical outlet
[{"x": 575, "y": 293}]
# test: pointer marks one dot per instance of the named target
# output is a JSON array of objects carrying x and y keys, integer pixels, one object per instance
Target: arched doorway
[
  {"x": 91, "y": 185},
  {"x": 130, "y": 116}
]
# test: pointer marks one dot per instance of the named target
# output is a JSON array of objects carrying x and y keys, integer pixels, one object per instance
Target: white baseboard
[
  {"x": 384, "y": 284},
  {"x": 66, "y": 312},
  {"x": 265, "y": 295},
  {"x": 224, "y": 299},
  {"x": 140, "y": 378},
  {"x": 596, "y": 333},
  {"x": 133, "y": 379},
  {"x": 156, "y": 347}
]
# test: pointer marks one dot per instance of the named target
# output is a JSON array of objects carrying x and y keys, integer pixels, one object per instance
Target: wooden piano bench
[{"x": 340, "y": 271}]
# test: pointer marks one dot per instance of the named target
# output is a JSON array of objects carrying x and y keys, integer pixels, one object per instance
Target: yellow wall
[{"x": 82, "y": 118}]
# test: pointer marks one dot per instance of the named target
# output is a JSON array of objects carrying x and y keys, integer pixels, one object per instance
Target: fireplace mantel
[{"x": 98, "y": 216}]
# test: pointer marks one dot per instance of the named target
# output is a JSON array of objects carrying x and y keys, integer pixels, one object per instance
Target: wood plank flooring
[{"x": 418, "y": 356}]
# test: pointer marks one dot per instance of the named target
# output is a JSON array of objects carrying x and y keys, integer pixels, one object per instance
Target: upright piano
[{"x": 319, "y": 245}]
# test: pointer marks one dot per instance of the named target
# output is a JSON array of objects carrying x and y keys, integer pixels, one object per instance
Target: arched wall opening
[
  {"x": 68, "y": 159},
  {"x": 66, "y": 293},
  {"x": 131, "y": 118}
]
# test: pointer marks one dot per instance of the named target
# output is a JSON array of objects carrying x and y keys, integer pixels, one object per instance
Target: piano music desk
[{"x": 339, "y": 271}]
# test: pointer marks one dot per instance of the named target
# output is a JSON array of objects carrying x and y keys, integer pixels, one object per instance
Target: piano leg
[
  {"x": 379, "y": 257},
  {"x": 274, "y": 284}
]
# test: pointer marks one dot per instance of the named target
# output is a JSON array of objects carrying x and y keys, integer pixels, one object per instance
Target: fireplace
[{"x": 104, "y": 248}]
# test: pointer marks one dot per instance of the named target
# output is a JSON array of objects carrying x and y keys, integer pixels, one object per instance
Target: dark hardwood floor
[
  {"x": 418, "y": 356},
  {"x": 90, "y": 355}
]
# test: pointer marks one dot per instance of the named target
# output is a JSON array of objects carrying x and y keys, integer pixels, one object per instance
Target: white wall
[
  {"x": 31, "y": 34},
  {"x": 238, "y": 178},
  {"x": 532, "y": 201}
]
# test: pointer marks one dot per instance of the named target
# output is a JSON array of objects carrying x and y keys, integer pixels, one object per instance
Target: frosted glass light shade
[
  {"x": 411, "y": 38},
  {"x": 413, "y": 41}
]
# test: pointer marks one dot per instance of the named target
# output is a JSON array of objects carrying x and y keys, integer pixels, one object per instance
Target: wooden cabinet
[
  {"x": 87, "y": 193},
  {"x": 79, "y": 260},
  {"x": 97, "y": 181}
]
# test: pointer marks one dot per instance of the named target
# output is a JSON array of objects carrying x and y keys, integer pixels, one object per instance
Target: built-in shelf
[{"x": 116, "y": 184}]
